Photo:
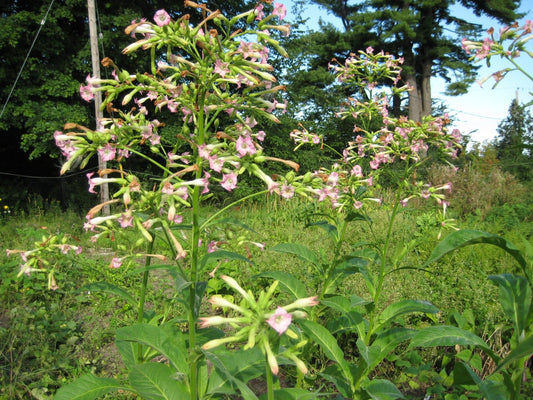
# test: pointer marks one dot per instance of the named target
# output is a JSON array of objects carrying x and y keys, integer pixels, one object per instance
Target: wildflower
[
  {"x": 107, "y": 153},
  {"x": 115, "y": 263},
  {"x": 229, "y": 181},
  {"x": 161, "y": 18},
  {"x": 280, "y": 10},
  {"x": 86, "y": 93},
  {"x": 287, "y": 191},
  {"x": 280, "y": 320}
]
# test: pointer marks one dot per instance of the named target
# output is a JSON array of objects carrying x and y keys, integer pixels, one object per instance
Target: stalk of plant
[
  {"x": 214, "y": 85},
  {"x": 383, "y": 146}
]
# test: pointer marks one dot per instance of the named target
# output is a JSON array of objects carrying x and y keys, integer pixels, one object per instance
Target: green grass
[{"x": 48, "y": 338}]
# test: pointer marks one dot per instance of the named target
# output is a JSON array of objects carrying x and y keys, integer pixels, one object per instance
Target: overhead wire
[{"x": 43, "y": 21}]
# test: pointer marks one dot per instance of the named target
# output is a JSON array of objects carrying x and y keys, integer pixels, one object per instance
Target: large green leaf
[
  {"x": 400, "y": 308},
  {"x": 166, "y": 340},
  {"x": 462, "y": 238},
  {"x": 515, "y": 299},
  {"x": 299, "y": 250},
  {"x": 328, "y": 344},
  {"x": 109, "y": 288},
  {"x": 235, "y": 373},
  {"x": 156, "y": 381},
  {"x": 446, "y": 335},
  {"x": 389, "y": 340},
  {"x": 464, "y": 375},
  {"x": 287, "y": 281},
  {"x": 382, "y": 389},
  {"x": 89, "y": 387},
  {"x": 292, "y": 394},
  {"x": 222, "y": 255}
]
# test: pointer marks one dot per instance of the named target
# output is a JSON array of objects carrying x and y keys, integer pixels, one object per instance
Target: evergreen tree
[
  {"x": 424, "y": 32},
  {"x": 514, "y": 144}
]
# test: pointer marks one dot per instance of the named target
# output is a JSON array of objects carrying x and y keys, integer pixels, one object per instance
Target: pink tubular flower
[
  {"x": 161, "y": 18},
  {"x": 280, "y": 320},
  {"x": 245, "y": 145},
  {"x": 280, "y": 10},
  {"x": 107, "y": 153},
  {"x": 126, "y": 219},
  {"x": 115, "y": 263},
  {"x": 229, "y": 181},
  {"x": 287, "y": 191},
  {"x": 86, "y": 93}
]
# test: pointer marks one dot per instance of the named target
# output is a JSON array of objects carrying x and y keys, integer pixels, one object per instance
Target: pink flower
[
  {"x": 86, "y": 93},
  {"x": 126, "y": 219},
  {"x": 92, "y": 184},
  {"x": 229, "y": 181},
  {"x": 245, "y": 145},
  {"x": 221, "y": 68},
  {"x": 107, "y": 153},
  {"x": 287, "y": 191},
  {"x": 115, "y": 263},
  {"x": 216, "y": 163},
  {"x": 259, "y": 14},
  {"x": 161, "y": 18},
  {"x": 280, "y": 10},
  {"x": 280, "y": 320}
]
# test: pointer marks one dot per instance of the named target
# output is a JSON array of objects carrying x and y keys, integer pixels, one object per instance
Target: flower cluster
[
  {"x": 510, "y": 44},
  {"x": 209, "y": 73},
  {"x": 255, "y": 321},
  {"x": 46, "y": 256},
  {"x": 397, "y": 144}
]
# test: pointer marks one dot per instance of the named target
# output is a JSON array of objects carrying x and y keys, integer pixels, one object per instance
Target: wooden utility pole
[{"x": 95, "y": 57}]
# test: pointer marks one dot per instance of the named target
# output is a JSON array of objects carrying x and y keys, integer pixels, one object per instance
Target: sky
[{"x": 478, "y": 112}]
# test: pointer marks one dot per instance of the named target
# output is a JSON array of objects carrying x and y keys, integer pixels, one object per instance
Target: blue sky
[{"x": 479, "y": 112}]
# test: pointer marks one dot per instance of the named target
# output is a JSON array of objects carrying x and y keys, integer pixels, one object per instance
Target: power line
[{"x": 43, "y": 21}]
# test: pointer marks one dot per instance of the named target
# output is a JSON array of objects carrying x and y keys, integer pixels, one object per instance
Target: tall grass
[{"x": 49, "y": 337}]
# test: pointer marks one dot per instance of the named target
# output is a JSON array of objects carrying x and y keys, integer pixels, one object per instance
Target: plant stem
[
  {"x": 270, "y": 382},
  {"x": 142, "y": 296}
]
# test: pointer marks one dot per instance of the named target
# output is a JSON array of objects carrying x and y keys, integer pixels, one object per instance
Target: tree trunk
[
  {"x": 415, "y": 98},
  {"x": 425, "y": 87}
]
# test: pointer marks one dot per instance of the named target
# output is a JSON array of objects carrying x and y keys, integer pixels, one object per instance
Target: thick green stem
[
  {"x": 270, "y": 382},
  {"x": 142, "y": 295},
  {"x": 331, "y": 268}
]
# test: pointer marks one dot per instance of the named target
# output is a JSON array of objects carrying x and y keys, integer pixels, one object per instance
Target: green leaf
[
  {"x": 328, "y": 344},
  {"x": 167, "y": 340},
  {"x": 389, "y": 340},
  {"x": 89, "y": 387},
  {"x": 156, "y": 381},
  {"x": 299, "y": 250},
  {"x": 330, "y": 229},
  {"x": 110, "y": 289},
  {"x": 287, "y": 281},
  {"x": 515, "y": 299},
  {"x": 382, "y": 389},
  {"x": 222, "y": 255},
  {"x": 464, "y": 375},
  {"x": 403, "y": 307},
  {"x": 524, "y": 349},
  {"x": 446, "y": 335},
  {"x": 462, "y": 238},
  {"x": 170, "y": 268},
  {"x": 291, "y": 394},
  {"x": 232, "y": 371}
]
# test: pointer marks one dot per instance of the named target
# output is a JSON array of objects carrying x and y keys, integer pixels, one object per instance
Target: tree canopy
[{"x": 426, "y": 33}]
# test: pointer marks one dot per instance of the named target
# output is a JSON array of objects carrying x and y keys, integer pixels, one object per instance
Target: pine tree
[{"x": 514, "y": 143}]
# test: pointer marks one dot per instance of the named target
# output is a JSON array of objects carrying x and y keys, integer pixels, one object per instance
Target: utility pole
[{"x": 95, "y": 57}]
